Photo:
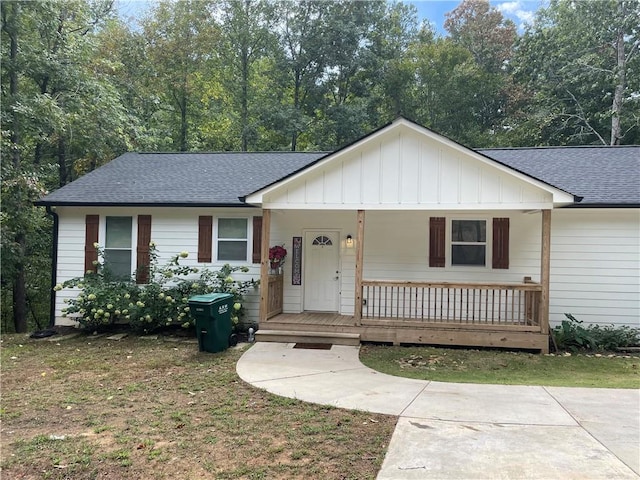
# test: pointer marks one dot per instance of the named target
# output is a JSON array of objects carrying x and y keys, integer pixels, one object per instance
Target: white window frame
[
  {"x": 217, "y": 239},
  {"x": 487, "y": 243},
  {"x": 102, "y": 238}
]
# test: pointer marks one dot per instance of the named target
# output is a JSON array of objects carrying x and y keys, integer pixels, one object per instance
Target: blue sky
[{"x": 520, "y": 11}]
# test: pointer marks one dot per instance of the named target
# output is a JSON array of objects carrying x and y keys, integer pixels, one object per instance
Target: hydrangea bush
[{"x": 163, "y": 302}]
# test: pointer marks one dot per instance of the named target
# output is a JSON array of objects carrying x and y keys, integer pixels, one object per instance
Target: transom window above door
[{"x": 322, "y": 240}]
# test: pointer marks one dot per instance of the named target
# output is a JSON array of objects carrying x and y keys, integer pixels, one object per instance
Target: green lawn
[{"x": 504, "y": 367}]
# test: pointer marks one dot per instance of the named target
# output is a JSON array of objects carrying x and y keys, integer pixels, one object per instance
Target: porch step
[{"x": 290, "y": 336}]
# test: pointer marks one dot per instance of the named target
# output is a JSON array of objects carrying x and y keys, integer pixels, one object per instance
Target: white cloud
[
  {"x": 520, "y": 11},
  {"x": 509, "y": 7}
]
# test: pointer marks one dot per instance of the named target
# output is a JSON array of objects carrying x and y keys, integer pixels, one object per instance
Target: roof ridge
[
  {"x": 279, "y": 152},
  {"x": 558, "y": 147}
]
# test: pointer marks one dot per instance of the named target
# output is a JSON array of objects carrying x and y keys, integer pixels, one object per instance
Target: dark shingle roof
[
  {"x": 601, "y": 175},
  {"x": 190, "y": 179}
]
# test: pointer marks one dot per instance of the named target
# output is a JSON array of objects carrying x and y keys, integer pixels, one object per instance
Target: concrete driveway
[{"x": 465, "y": 431}]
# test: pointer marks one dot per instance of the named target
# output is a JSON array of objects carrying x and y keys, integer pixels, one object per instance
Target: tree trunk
[
  {"x": 183, "y": 122},
  {"x": 12, "y": 29},
  {"x": 63, "y": 172},
  {"x": 20, "y": 290},
  {"x": 244, "y": 101},
  {"x": 296, "y": 106},
  {"x": 10, "y": 14},
  {"x": 620, "y": 79}
]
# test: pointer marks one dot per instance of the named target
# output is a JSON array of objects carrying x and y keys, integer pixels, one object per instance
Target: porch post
[
  {"x": 545, "y": 267},
  {"x": 359, "y": 256},
  {"x": 264, "y": 265}
]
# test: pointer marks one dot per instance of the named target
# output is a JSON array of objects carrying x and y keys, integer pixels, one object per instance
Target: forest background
[{"x": 80, "y": 86}]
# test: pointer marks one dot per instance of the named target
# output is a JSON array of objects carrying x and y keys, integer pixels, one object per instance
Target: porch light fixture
[{"x": 349, "y": 241}]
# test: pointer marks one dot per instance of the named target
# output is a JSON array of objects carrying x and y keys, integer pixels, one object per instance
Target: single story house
[{"x": 403, "y": 236}]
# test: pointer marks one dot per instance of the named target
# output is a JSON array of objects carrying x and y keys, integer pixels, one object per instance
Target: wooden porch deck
[{"x": 400, "y": 331}]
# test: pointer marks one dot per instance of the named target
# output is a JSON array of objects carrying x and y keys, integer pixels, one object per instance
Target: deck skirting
[{"x": 410, "y": 332}]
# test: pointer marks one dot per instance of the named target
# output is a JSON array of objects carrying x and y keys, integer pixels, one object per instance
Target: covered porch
[{"x": 407, "y": 237}]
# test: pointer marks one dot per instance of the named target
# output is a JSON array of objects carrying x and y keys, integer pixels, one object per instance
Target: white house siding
[
  {"x": 172, "y": 229},
  {"x": 293, "y": 223},
  {"x": 595, "y": 253},
  {"x": 396, "y": 248},
  {"x": 595, "y": 256},
  {"x": 595, "y": 266}
]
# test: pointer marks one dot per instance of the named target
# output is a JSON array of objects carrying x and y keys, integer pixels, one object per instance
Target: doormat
[{"x": 314, "y": 346}]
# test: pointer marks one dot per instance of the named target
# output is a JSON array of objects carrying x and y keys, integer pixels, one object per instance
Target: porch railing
[
  {"x": 460, "y": 303},
  {"x": 275, "y": 300}
]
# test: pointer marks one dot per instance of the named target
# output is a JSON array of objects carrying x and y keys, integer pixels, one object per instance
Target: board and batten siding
[
  {"x": 173, "y": 230},
  {"x": 595, "y": 266},
  {"x": 403, "y": 168}
]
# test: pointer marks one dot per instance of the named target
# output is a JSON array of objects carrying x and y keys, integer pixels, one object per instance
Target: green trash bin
[{"x": 212, "y": 313}]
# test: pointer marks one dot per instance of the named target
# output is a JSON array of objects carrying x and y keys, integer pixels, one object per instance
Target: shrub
[
  {"x": 609, "y": 337},
  {"x": 162, "y": 302},
  {"x": 101, "y": 302},
  {"x": 571, "y": 335}
]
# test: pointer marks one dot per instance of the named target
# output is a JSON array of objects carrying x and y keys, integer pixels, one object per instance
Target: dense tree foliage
[
  {"x": 80, "y": 86},
  {"x": 580, "y": 63}
]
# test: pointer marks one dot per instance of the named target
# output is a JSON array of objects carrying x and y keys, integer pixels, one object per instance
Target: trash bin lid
[{"x": 209, "y": 298}]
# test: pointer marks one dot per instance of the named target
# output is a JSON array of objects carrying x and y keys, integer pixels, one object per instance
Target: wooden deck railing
[
  {"x": 274, "y": 302},
  {"x": 460, "y": 303}
]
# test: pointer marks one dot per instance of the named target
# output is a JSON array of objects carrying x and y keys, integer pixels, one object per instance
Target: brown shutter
[
  {"x": 501, "y": 243},
  {"x": 437, "y": 247},
  {"x": 144, "y": 238},
  {"x": 92, "y": 224},
  {"x": 257, "y": 239},
  {"x": 205, "y": 232}
]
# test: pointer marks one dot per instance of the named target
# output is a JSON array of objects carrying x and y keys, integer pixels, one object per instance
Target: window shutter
[
  {"x": 437, "y": 247},
  {"x": 205, "y": 232},
  {"x": 144, "y": 238},
  {"x": 92, "y": 223},
  {"x": 257, "y": 239},
  {"x": 501, "y": 243}
]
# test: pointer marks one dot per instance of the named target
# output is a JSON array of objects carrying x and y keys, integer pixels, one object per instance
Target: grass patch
[
  {"x": 89, "y": 408},
  {"x": 504, "y": 367}
]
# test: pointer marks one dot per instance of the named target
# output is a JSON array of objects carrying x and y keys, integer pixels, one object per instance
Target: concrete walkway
[{"x": 465, "y": 431}]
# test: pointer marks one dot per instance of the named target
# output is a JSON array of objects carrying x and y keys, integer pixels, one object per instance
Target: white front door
[{"x": 321, "y": 273}]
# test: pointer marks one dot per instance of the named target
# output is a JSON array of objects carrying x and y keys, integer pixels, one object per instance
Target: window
[
  {"x": 117, "y": 250},
  {"x": 232, "y": 239},
  {"x": 322, "y": 240},
  {"x": 468, "y": 242}
]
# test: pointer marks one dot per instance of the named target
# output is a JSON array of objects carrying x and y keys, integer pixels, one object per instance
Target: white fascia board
[{"x": 533, "y": 206}]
